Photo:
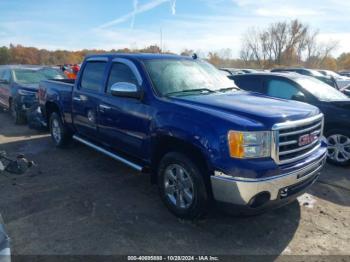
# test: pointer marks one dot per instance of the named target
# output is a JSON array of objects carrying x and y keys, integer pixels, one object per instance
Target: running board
[{"x": 108, "y": 153}]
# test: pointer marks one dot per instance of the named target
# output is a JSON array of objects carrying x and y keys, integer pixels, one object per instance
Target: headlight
[
  {"x": 26, "y": 93},
  {"x": 249, "y": 144}
]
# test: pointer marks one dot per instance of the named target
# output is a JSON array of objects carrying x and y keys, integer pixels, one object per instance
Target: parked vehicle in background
[
  {"x": 346, "y": 90},
  {"x": 238, "y": 71},
  {"x": 19, "y": 85},
  {"x": 334, "y": 105},
  {"x": 309, "y": 72},
  {"x": 342, "y": 81},
  {"x": 197, "y": 134},
  {"x": 71, "y": 71},
  {"x": 5, "y": 252},
  {"x": 344, "y": 73}
]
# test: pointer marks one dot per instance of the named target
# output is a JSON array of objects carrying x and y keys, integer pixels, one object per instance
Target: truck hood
[{"x": 254, "y": 106}]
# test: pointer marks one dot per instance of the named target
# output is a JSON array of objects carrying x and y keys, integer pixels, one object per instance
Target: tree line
[
  {"x": 288, "y": 43},
  {"x": 18, "y": 54}
]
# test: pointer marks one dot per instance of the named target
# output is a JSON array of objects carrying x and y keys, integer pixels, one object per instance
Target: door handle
[
  {"x": 76, "y": 98},
  {"x": 104, "y": 107}
]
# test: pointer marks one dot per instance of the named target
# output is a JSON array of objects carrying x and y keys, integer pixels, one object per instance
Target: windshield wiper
[
  {"x": 225, "y": 89},
  {"x": 201, "y": 90}
]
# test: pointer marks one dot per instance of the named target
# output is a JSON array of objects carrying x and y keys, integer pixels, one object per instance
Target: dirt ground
[{"x": 79, "y": 202}]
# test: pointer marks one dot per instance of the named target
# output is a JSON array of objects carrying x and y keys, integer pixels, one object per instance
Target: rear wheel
[
  {"x": 338, "y": 147},
  {"x": 59, "y": 134},
  {"x": 18, "y": 116},
  {"x": 182, "y": 187}
]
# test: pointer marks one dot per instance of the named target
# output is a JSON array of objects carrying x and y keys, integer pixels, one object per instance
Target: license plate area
[{"x": 296, "y": 188}]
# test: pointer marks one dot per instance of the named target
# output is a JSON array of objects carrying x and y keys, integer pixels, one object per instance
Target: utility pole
[{"x": 161, "y": 40}]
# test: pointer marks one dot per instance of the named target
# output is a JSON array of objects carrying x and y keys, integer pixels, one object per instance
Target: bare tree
[{"x": 284, "y": 43}]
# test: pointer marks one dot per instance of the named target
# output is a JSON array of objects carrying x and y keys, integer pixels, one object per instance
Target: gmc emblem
[{"x": 307, "y": 139}]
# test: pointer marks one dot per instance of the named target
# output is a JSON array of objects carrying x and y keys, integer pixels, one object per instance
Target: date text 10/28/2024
[{"x": 173, "y": 258}]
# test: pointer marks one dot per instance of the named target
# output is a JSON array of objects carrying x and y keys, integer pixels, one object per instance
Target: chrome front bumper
[{"x": 241, "y": 191}]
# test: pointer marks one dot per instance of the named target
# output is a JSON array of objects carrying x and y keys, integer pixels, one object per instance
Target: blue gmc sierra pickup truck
[{"x": 198, "y": 136}]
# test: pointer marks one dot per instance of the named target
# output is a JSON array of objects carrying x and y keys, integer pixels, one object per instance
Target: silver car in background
[{"x": 5, "y": 253}]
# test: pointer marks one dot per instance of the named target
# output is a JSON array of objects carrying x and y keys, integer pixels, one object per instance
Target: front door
[
  {"x": 86, "y": 98},
  {"x": 124, "y": 122}
]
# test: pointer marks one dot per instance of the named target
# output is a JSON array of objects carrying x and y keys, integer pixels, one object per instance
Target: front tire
[
  {"x": 18, "y": 116},
  {"x": 59, "y": 133},
  {"x": 338, "y": 147},
  {"x": 182, "y": 187}
]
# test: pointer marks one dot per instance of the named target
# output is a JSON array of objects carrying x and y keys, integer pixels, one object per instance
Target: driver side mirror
[
  {"x": 124, "y": 89},
  {"x": 299, "y": 97}
]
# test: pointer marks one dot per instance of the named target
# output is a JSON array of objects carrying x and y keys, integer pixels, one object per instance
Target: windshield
[
  {"x": 321, "y": 90},
  {"x": 171, "y": 77},
  {"x": 34, "y": 76}
]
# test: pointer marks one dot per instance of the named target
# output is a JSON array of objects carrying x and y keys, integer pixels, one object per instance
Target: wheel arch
[
  {"x": 335, "y": 126},
  {"x": 165, "y": 144},
  {"x": 51, "y": 107}
]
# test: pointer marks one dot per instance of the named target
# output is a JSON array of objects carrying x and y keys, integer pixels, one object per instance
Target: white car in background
[{"x": 342, "y": 81}]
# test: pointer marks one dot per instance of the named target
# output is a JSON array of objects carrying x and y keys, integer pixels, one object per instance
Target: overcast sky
[{"x": 194, "y": 24}]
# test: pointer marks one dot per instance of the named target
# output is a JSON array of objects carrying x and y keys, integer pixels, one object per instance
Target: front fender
[{"x": 194, "y": 131}]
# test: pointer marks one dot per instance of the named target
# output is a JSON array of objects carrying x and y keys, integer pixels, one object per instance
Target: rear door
[{"x": 86, "y": 97}]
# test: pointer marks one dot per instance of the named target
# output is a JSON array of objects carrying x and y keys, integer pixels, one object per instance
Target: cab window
[{"x": 120, "y": 73}]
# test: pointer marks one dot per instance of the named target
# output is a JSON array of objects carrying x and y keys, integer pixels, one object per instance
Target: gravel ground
[{"x": 79, "y": 202}]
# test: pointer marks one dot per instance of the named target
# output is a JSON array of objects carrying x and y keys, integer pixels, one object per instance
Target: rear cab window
[{"x": 93, "y": 75}]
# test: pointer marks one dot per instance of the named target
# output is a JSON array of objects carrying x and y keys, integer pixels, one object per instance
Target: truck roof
[{"x": 141, "y": 56}]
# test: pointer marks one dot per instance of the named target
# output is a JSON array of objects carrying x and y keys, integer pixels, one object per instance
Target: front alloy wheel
[
  {"x": 181, "y": 186},
  {"x": 339, "y": 149},
  {"x": 178, "y": 186}
]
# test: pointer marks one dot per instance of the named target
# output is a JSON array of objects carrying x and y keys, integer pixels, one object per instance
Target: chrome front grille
[{"x": 295, "y": 140}]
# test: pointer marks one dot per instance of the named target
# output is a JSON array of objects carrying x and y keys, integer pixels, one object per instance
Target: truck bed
[
  {"x": 60, "y": 91},
  {"x": 66, "y": 82}
]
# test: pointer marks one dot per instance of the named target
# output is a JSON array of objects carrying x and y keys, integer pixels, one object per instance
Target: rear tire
[
  {"x": 181, "y": 186},
  {"x": 338, "y": 147},
  {"x": 59, "y": 133},
  {"x": 18, "y": 116}
]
